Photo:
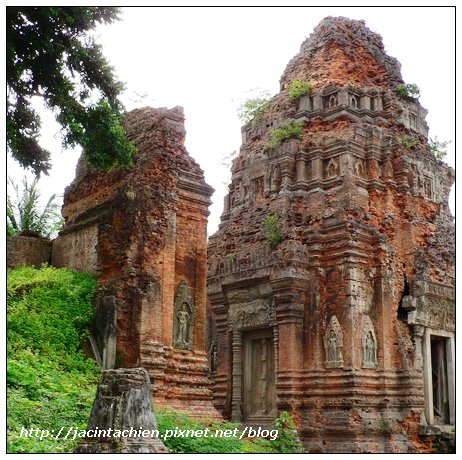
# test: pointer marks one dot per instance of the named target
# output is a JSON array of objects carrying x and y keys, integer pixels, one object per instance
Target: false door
[{"x": 259, "y": 389}]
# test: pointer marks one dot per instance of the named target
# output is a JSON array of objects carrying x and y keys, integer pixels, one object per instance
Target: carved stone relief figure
[
  {"x": 332, "y": 169},
  {"x": 333, "y": 344},
  {"x": 368, "y": 344},
  {"x": 257, "y": 313},
  {"x": 332, "y": 347},
  {"x": 183, "y": 320},
  {"x": 213, "y": 358}
]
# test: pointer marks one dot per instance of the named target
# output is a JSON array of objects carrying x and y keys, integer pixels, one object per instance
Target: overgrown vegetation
[
  {"x": 384, "y": 426},
  {"x": 169, "y": 419},
  {"x": 438, "y": 148},
  {"x": 50, "y": 383},
  {"x": 287, "y": 130},
  {"x": 23, "y": 212},
  {"x": 298, "y": 88},
  {"x": 252, "y": 109},
  {"x": 271, "y": 229},
  {"x": 408, "y": 90},
  {"x": 406, "y": 142},
  {"x": 287, "y": 441}
]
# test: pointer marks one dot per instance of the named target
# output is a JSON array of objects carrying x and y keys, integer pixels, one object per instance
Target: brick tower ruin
[
  {"x": 331, "y": 277},
  {"x": 142, "y": 230}
]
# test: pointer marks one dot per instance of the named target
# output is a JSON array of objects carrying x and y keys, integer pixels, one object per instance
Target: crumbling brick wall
[
  {"x": 362, "y": 279},
  {"x": 142, "y": 230},
  {"x": 27, "y": 250}
]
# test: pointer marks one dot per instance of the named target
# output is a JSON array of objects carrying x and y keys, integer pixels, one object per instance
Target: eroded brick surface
[
  {"x": 364, "y": 271},
  {"x": 142, "y": 231}
]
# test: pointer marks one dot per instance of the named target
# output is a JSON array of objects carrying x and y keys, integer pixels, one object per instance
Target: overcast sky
[{"x": 207, "y": 59}]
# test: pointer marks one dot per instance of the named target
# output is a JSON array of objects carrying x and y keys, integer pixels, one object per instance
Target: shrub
[
  {"x": 169, "y": 419},
  {"x": 408, "y": 91},
  {"x": 406, "y": 142},
  {"x": 50, "y": 382},
  {"x": 438, "y": 148},
  {"x": 252, "y": 110},
  {"x": 298, "y": 88},
  {"x": 287, "y": 130},
  {"x": 287, "y": 440},
  {"x": 271, "y": 229}
]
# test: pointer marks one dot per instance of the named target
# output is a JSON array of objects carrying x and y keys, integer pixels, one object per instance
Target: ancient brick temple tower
[
  {"x": 142, "y": 231},
  {"x": 347, "y": 322}
]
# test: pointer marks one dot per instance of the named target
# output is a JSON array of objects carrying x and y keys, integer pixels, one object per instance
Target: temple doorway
[
  {"x": 259, "y": 382},
  {"x": 440, "y": 380}
]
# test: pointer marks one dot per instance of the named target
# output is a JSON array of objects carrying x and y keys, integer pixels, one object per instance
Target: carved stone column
[
  {"x": 276, "y": 350},
  {"x": 418, "y": 335},
  {"x": 236, "y": 401},
  {"x": 301, "y": 170}
]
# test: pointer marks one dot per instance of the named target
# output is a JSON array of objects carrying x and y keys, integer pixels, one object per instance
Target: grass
[
  {"x": 50, "y": 383},
  {"x": 169, "y": 419}
]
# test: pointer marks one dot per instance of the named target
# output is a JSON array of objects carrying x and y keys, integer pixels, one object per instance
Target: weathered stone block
[{"x": 122, "y": 419}]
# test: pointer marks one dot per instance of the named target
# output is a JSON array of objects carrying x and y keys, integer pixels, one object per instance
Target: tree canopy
[{"x": 51, "y": 53}]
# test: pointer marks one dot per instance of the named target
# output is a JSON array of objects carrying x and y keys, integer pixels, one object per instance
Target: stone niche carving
[
  {"x": 387, "y": 171},
  {"x": 331, "y": 101},
  {"x": 183, "y": 321},
  {"x": 359, "y": 169},
  {"x": 368, "y": 344},
  {"x": 257, "y": 313},
  {"x": 354, "y": 102},
  {"x": 275, "y": 179},
  {"x": 333, "y": 344},
  {"x": 332, "y": 169}
]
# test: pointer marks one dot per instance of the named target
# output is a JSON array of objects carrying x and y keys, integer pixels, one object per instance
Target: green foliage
[
  {"x": 24, "y": 212},
  {"x": 438, "y": 148},
  {"x": 298, "y": 88},
  {"x": 169, "y": 419},
  {"x": 408, "y": 91},
  {"x": 287, "y": 440},
  {"x": 384, "y": 427},
  {"x": 50, "y": 382},
  {"x": 51, "y": 53},
  {"x": 252, "y": 109},
  {"x": 444, "y": 443},
  {"x": 271, "y": 228},
  {"x": 287, "y": 130},
  {"x": 406, "y": 142}
]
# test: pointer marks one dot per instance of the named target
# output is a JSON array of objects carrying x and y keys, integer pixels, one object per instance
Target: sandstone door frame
[
  {"x": 237, "y": 400},
  {"x": 266, "y": 380},
  {"x": 427, "y": 372}
]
